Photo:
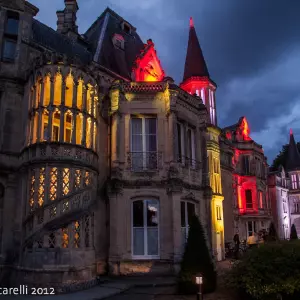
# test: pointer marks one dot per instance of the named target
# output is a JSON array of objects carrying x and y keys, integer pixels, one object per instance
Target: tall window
[
  {"x": 246, "y": 164},
  {"x": 187, "y": 211},
  {"x": 284, "y": 207},
  {"x": 294, "y": 181},
  {"x": 260, "y": 199},
  {"x": 212, "y": 107},
  {"x": 251, "y": 227},
  {"x": 143, "y": 143},
  {"x": 191, "y": 147},
  {"x": 296, "y": 207},
  {"x": 145, "y": 235},
  {"x": 203, "y": 95},
  {"x": 10, "y": 37},
  {"x": 249, "y": 203},
  {"x": 186, "y": 145}
]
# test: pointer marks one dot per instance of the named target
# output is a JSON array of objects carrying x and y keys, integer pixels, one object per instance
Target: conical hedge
[
  {"x": 196, "y": 259},
  {"x": 294, "y": 235}
]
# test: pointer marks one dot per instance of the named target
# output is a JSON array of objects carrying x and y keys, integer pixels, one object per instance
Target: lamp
[{"x": 199, "y": 281}]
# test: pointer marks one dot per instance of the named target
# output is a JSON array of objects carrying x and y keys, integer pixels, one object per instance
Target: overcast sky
[{"x": 252, "y": 49}]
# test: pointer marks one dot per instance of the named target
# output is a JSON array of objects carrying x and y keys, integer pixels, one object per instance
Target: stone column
[
  {"x": 92, "y": 133},
  {"x": 93, "y": 102},
  {"x": 83, "y": 137},
  {"x": 41, "y": 100},
  {"x": 115, "y": 143},
  {"x": 74, "y": 100},
  {"x": 63, "y": 90},
  {"x": 74, "y": 126},
  {"x": 62, "y": 125},
  {"x": 52, "y": 81},
  {"x": 33, "y": 99},
  {"x": 39, "y": 126},
  {"x": 176, "y": 230},
  {"x": 50, "y": 131}
]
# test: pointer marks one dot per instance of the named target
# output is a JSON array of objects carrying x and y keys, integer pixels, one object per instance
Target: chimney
[{"x": 66, "y": 19}]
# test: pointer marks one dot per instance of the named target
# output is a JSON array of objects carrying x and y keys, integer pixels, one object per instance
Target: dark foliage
[
  {"x": 269, "y": 272},
  {"x": 281, "y": 158},
  {"x": 196, "y": 259},
  {"x": 294, "y": 235}
]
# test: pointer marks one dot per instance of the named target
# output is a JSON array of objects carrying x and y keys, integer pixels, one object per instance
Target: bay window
[
  {"x": 145, "y": 229},
  {"x": 144, "y": 143}
]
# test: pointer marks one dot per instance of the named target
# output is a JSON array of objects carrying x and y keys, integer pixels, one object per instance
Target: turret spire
[
  {"x": 293, "y": 158},
  {"x": 195, "y": 64}
]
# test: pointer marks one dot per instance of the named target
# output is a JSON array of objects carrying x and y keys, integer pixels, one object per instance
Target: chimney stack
[{"x": 66, "y": 19}]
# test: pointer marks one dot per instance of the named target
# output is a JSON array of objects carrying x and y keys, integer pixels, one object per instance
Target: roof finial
[
  {"x": 191, "y": 22},
  {"x": 291, "y": 131}
]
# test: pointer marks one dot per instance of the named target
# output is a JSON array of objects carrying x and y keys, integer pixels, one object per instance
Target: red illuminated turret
[{"x": 196, "y": 79}]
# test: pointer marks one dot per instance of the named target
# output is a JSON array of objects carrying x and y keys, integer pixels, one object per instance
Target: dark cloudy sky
[{"x": 252, "y": 48}]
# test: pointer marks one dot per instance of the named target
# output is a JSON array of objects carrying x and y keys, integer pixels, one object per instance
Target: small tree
[
  {"x": 196, "y": 259},
  {"x": 294, "y": 235},
  {"x": 272, "y": 236}
]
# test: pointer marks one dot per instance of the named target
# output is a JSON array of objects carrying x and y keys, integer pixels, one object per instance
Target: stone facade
[
  {"x": 249, "y": 210},
  {"x": 101, "y": 165},
  {"x": 278, "y": 188}
]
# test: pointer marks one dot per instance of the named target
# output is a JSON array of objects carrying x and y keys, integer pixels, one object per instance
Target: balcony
[
  {"x": 59, "y": 152},
  {"x": 144, "y": 161}
]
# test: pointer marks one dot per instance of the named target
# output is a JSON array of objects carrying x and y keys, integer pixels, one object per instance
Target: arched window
[
  {"x": 89, "y": 99},
  {"x": 88, "y": 132},
  {"x": 68, "y": 127},
  {"x": 44, "y": 128},
  {"x": 55, "y": 126},
  {"x": 145, "y": 229}
]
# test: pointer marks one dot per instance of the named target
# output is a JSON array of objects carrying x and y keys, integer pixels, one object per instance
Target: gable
[{"x": 147, "y": 66}]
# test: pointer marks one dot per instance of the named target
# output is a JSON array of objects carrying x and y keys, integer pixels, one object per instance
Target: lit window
[
  {"x": 77, "y": 179},
  {"x": 66, "y": 181},
  {"x": 65, "y": 238},
  {"x": 249, "y": 203},
  {"x": 53, "y": 184},
  {"x": 56, "y": 122},
  {"x": 145, "y": 224},
  {"x": 77, "y": 234},
  {"x": 212, "y": 107},
  {"x": 68, "y": 128},
  {"x": 41, "y": 189},
  {"x": 32, "y": 190},
  {"x": 203, "y": 95}
]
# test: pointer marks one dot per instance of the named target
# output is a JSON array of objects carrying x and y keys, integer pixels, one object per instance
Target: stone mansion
[{"x": 104, "y": 159}]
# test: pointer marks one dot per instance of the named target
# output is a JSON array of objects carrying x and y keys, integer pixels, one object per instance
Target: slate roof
[
  {"x": 117, "y": 60},
  {"x": 195, "y": 64},
  {"x": 293, "y": 158},
  {"x": 54, "y": 41}
]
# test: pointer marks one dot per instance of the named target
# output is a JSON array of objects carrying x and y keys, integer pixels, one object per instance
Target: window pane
[
  {"x": 152, "y": 213},
  {"x": 250, "y": 228},
  {"x": 9, "y": 50},
  {"x": 138, "y": 214},
  {"x": 138, "y": 241},
  {"x": 12, "y": 26},
  {"x": 151, "y": 143},
  {"x": 152, "y": 241},
  {"x": 183, "y": 222},
  {"x": 190, "y": 211},
  {"x": 150, "y": 124},
  {"x": 136, "y": 126},
  {"x": 137, "y": 143}
]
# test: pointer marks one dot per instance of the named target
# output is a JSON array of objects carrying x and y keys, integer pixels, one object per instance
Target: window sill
[{"x": 145, "y": 257}]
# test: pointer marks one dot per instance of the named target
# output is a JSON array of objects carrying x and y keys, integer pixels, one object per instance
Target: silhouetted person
[{"x": 236, "y": 240}]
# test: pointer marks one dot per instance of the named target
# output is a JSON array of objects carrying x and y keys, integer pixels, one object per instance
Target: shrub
[
  {"x": 196, "y": 259},
  {"x": 269, "y": 272},
  {"x": 294, "y": 235}
]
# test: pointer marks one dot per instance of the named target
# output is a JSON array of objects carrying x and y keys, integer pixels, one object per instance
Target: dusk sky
[{"x": 252, "y": 49}]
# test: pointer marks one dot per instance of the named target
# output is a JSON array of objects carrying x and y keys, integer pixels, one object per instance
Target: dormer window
[
  {"x": 10, "y": 37},
  {"x": 118, "y": 41},
  {"x": 126, "y": 27}
]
